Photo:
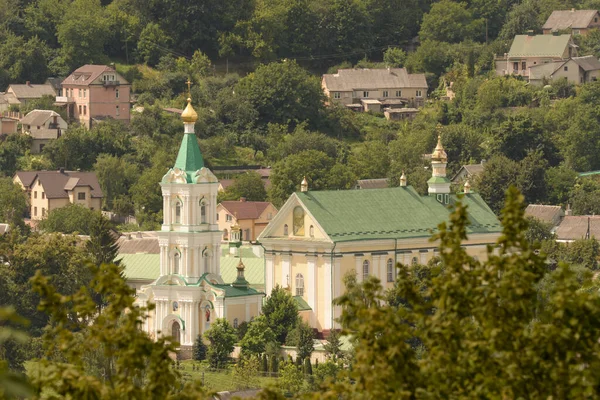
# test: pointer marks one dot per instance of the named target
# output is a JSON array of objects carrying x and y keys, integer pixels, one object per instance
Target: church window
[
  {"x": 178, "y": 213},
  {"x": 285, "y": 230},
  {"x": 390, "y": 270},
  {"x": 175, "y": 306},
  {"x": 299, "y": 285},
  {"x": 202, "y": 213},
  {"x": 365, "y": 269},
  {"x": 298, "y": 221},
  {"x": 225, "y": 234},
  {"x": 176, "y": 258},
  {"x": 175, "y": 332},
  {"x": 415, "y": 261},
  {"x": 312, "y": 231},
  {"x": 235, "y": 323}
]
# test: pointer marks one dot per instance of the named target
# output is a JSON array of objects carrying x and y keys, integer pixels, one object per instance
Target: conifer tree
[{"x": 199, "y": 349}]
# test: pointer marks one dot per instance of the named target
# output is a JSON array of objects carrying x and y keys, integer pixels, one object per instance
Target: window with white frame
[
  {"x": 228, "y": 217},
  {"x": 385, "y": 93},
  {"x": 415, "y": 261},
  {"x": 178, "y": 212},
  {"x": 365, "y": 94},
  {"x": 117, "y": 111},
  {"x": 202, "y": 212},
  {"x": 365, "y": 269},
  {"x": 117, "y": 93},
  {"x": 390, "y": 270},
  {"x": 312, "y": 231},
  {"x": 235, "y": 323},
  {"x": 419, "y": 93},
  {"x": 398, "y": 93},
  {"x": 176, "y": 259},
  {"x": 337, "y": 95},
  {"x": 285, "y": 230},
  {"x": 299, "y": 285}
]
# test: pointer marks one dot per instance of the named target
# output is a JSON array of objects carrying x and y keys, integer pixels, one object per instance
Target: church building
[
  {"x": 189, "y": 293},
  {"x": 320, "y": 236}
]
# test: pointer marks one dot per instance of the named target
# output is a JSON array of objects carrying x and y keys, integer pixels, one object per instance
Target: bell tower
[{"x": 438, "y": 183}]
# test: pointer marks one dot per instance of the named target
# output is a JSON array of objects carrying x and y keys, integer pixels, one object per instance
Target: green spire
[{"x": 189, "y": 158}]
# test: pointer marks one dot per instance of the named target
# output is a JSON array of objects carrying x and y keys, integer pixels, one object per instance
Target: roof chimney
[
  {"x": 568, "y": 211},
  {"x": 242, "y": 199},
  {"x": 139, "y": 235}
]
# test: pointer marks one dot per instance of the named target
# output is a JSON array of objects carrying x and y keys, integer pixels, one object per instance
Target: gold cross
[{"x": 189, "y": 83}]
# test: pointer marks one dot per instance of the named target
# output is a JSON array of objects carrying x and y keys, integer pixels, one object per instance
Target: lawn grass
[{"x": 221, "y": 380}]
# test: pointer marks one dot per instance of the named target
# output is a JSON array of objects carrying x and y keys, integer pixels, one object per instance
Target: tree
[
  {"x": 258, "y": 335},
  {"x": 12, "y": 384},
  {"x": 305, "y": 345},
  {"x": 370, "y": 160},
  {"x": 102, "y": 247},
  {"x": 13, "y": 202},
  {"x": 69, "y": 219},
  {"x": 394, "y": 57},
  {"x": 291, "y": 379},
  {"x": 199, "y": 349},
  {"x": 151, "y": 44},
  {"x": 537, "y": 230},
  {"x": 248, "y": 185},
  {"x": 451, "y": 22},
  {"x": 246, "y": 372},
  {"x": 115, "y": 176},
  {"x": 222, "y": 338},
  {"x": 333, "y": 347},
  {"x": 134, "y": 365},
  {"x": 456, "y": 320},
  {"x": 281, "y": 312},
  {"x": 284, "y": 93}
]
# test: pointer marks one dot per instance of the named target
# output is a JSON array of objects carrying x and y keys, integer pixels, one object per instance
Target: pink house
[{"x": 95, "y": 92}]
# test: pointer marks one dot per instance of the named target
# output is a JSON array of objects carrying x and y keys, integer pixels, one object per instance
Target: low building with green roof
[{"x": 320, "y": 236}]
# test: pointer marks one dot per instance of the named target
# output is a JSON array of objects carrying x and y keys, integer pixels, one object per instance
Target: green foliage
[
  {"x": 222, "y": 338},
  {"x": 303, "y": 338},
  {"x": 246, "y": 372},
  {"x": 394, "y": 57},
  {"x": 451, "y": 22},
  {"x": 134, "y": 364},
  {"x": 538, "y": 231},
  {"x": 12, "y": 384},
  {"x": 281, "y": 313},
  {"x": 116, "y": 175},
  {"x": 13, "y": 202},
  {"x": 199, "y": 349},
  {"x": 258, "y": 335},
  {"x": 291, "y": 379},
  {"x": 248, "y": 185},
  {"x": 73, "y": 218},
  {"x": 333, "y": 347}
]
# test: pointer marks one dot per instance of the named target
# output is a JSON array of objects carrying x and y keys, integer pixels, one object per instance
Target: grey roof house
[
  {"x": 43, "y": 126},
  {"x": 578, "y": 22},
  {"x": 576, "y": 70}
]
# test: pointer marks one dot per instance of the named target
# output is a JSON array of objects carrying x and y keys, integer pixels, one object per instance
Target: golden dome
[
  {"x": 189, "y": 115},
  {"x": 439, "y": 153}
]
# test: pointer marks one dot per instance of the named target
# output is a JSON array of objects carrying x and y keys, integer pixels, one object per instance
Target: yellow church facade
[{"x": 320, "y": 236}]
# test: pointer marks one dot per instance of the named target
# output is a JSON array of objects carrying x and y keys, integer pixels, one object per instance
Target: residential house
[
  {"x": 318, "y": 237},
  {"x": 469, "y": 171},
  {"x": 578, "y": 227},
  {"x": 576, "y": 70},
  {"x": 49, "y": 190},
  {"x": 93, "y": 93},
  {"x": 378, "y": 183},
  {"x": 21, "y": 94},
  {"x": 552, "y": 215},
  {"x": 43, "y": 126},
  {"x": 530, "y": 50},
  {"x": 375, "y": 89},
  {"x": 578, "y": 22},
  {"x": 251, "y": 216},
  {"x": 401, "y": 114}
]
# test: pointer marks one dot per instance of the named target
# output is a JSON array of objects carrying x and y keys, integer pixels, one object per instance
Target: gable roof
[
  {"x": 30, "y": 91},
  {"x": 26, "y": 177},
  {"x": 245, "y": 209},
  {"x": 471, "y": 169},
  {"x": 55, "y": 183},
  {"x": 587, "y": 63},
  {"x": 38, "y": 117},
  {"x": 392, "y": 213},
  {"x": 579, "y": 227},
  {"x": 539, "y": 45},
  {"x": 89, "y": 73},
  {"x": 346, "y": 80},
  {"x": 569, "y": 19},
  {"x": 545, "y": 213}
]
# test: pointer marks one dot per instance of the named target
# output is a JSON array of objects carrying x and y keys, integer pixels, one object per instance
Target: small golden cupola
[
  {"x": 189, "y": 115},
  {"x": 439, "y": 154}
]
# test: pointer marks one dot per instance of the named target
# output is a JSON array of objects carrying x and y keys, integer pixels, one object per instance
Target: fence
[{"x": 221, "y": 380}]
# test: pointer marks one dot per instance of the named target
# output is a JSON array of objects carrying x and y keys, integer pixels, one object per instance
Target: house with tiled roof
[
  {"x": 43, "y": 126},
  {"x": 375, "y": 89},
  {"x": 578, "y": 22},
  {"x": 21, "y": 94},
  {"x": 531, "y": 50},
  {"x": 49, "y": 190},
  {"x": 576, "y": 70},
  {"x": 576, "y": 227},
  {"x": 252, "y": 217},
  {"x": 318, "y": 237},
  {"x": 468, "y": 171},
  {"x": 93, "y": 93},
  {"x": 552, "y": 215}
]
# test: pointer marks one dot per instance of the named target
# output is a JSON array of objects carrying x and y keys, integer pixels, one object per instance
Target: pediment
[
  {"x": 175, "y": 175},
  {"x": 205, "y": 175}
]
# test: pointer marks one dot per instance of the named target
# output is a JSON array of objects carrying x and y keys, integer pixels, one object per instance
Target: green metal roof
[
  {"x": 539, "y": 45},
  {"x": 302, "y": 304},
  {"x": 189, "y": 158},
  {"x": 254, "y": 271},
  {"x": 438, "y": 179},
  {"x": 231, "y": 291},
  {"x": 141, "y": 266},
  {"x": 589, "y": 173},
  {"x": 391, "y": 213}
]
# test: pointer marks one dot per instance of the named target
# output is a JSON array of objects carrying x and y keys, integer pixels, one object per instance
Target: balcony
[
  {"x": 111, "y": 83},
  {"x": 62, "y": 99}
]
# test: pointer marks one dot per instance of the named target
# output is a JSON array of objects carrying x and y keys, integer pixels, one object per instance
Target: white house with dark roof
[
  {"x": 576, "y": 70},
  {"x": 21, "y": 94},
  {"x": 43, "y": 126},
  {"x": 375, "y": 89},
  {"x": 578, "y": 22}
]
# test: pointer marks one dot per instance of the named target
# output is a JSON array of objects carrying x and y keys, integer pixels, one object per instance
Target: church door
[{"x": 176, "y": 332}]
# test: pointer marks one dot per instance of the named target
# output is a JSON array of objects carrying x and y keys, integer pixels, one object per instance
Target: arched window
[
  {"x": 175, "y": 332},
  {"x": 202, "y": 212},
  {"x": 299, "y": 221},
  {"x": 225, "y": 237},
  {"x": 390, "y": 270},
  {"x": 235, "y": 323},
  {"x": 312, "y": 231},
  {"x": 365, "y": 269},
  {"x": 178, "y": 212},
  {"x": 299, "y": 285},
  {"x": 415, "y": 261},
  {"x": 285, "y": 230},
  {"x": 176, "y": 258}
]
